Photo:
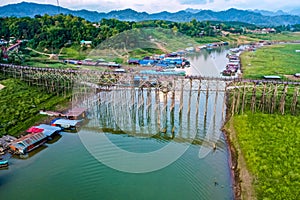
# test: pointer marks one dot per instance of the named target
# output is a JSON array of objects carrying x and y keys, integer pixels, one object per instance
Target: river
[{"x": 68, "y": 168}]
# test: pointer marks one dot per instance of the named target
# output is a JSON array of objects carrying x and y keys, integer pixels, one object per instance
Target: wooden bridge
[{"x": 239, "y": 95}]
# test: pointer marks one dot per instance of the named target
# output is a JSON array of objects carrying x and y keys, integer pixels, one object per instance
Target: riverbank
[
  {"x": 268, "y": 156},
  {"x": 243, "y": 179},
  {"x": 20, "y": 105}
]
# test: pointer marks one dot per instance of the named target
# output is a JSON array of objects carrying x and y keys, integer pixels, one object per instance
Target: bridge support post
[
  {"x": 190, "y": 98},
  {"x": 274, "y": 98},
  {"x": 263, "y": 98},
  {"x": 282, "y": 99},
  {"x": 198, "y": 99},
  {"x": 173, "y": 97},
  {"x": 295, "y": 101},
  {"x": 253, "y": 98},
  {"x": 157, "y": 108},
  {"x": 206, "y": 102},
  {"x": 181, "y": 98}
]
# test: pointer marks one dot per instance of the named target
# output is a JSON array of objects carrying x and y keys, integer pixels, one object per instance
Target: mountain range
[{"x": 258, "y": 17}]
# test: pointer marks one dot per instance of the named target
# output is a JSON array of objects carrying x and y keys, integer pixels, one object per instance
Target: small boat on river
[{"x": 3, "y": 163}]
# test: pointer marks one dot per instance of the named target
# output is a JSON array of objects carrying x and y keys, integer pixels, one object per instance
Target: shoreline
[{"x": 243, "y": 179}]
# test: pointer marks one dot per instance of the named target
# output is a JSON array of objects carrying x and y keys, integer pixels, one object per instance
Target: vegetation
[
  {"x": 270, "y": 145},
  {"x": 51, "y": 33},
  {"x": 278, "y": 60},
  {"x": 20, "y": 104},
  {"x": 281, "y": 36},
  {"x": 62, "y": 35}
]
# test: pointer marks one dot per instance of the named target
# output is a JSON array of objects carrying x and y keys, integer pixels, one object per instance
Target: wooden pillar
[
  {"x": 149, "y": 103},
  {"x": 224, "y": 103},
  {"x": 295, "y": 101},
  {"x": 263, "y": 98},
  {"x": 253, "y": 98},
  {"x": 190, "y": 97},
  {"x": 173, "y": 98},
  {"x": 198, "y": 99},
  {"x": 181, "y": 97},
  {"x": 157, "y": 107},
  {"x": 165, "y": 116},
  {"x": 206, "y": 101},
  {"x": 233, "y": 100},
  {"x": 274, "y": 98},
  {"x": 282, "y": 99}
]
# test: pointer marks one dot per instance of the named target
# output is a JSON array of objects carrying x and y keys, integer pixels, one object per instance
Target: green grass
[
  {"x": 284, "y": 36},
  {"x": 20, "y": 105},
  {"x": 270, "y": 144},
  {"x": 49, "y": 64},
  {"x": 271, "y": 60}
]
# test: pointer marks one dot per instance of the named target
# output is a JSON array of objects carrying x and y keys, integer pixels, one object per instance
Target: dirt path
[
  {"x": 161, "y": 47},
  {"x": 246, "y": 179}
]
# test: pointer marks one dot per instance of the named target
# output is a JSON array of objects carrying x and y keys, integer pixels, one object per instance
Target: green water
[{"x": 65, "y": 170}]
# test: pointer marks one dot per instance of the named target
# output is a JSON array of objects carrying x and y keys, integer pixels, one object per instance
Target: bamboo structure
[{"x": 241, "y": 94}]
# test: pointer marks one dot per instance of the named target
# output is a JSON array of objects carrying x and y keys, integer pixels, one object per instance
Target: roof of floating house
[
  {"x": 272, "y": 77},
  {"x": 34, "y": 130},
  {"x": 65, "y": 122},
  {"x": 51, "y": 113},
  {"x": 75, "y": 112},
  {"x": 28, "y": 140},
  {"x": 5, "y": 162},
  {"x": 48, "y": 130}
]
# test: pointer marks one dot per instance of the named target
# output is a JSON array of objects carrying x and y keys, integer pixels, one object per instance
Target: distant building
[
  {"x": 86, "y": 43},
  {"x": 3, "y": 42}
]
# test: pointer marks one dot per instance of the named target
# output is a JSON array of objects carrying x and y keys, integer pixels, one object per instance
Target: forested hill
[{"x": 31, "y": 9}]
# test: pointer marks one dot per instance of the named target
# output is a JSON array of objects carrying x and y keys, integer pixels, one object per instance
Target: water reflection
[{"x": 208, "y": 62}]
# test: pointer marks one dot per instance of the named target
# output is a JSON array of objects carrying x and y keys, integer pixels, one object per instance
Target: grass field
[
  {"x": 270, "y": 145},
  {"x": 278, "y": 60},
  {"x": 20, "y": 105},
  {"x": 284, "y": 36}
]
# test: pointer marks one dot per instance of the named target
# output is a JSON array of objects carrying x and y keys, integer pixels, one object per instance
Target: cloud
[{"x": 194, "y": 2}]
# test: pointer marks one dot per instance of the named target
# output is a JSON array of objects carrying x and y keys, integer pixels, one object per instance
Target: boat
[{"x": 3, "y": 164}]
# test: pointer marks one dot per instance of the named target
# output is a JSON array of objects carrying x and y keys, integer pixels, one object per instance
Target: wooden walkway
[{"x": 270, "y": 96}]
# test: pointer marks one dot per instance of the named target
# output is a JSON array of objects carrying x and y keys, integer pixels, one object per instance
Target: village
[{"x": 40, "y": 134}]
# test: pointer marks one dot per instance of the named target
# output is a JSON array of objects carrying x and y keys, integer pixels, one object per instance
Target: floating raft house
[
  {"x": 272, "y": 77},
  {"x": 76, "y": 113},
  {"x": 49, "y": 131},
  {"x": 65, "y": 123},
  {"x": 29, "y": 142},
  {"x": 4, "y": 163}
]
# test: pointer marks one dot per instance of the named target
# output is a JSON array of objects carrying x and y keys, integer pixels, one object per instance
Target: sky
[{"x": 154, "y": 6}]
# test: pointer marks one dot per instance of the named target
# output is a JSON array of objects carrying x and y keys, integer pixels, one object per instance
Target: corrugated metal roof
[
  {"x": 272, "y": 77},
  {"x": 75, "y": 112},
  {"x": 29, "y": 139},
  {"x": 66, "y": 123},
  {"x": 49, "y": 130}
]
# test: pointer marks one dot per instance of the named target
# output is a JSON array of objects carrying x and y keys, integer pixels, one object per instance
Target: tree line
[{"x": 61, "y": 30}]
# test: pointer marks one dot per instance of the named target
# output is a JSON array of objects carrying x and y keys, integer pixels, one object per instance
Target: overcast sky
[{"x": 153, "y": 6}]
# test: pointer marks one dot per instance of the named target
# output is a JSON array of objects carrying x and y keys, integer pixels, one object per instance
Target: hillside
[{"x": 31, "y": 9}]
